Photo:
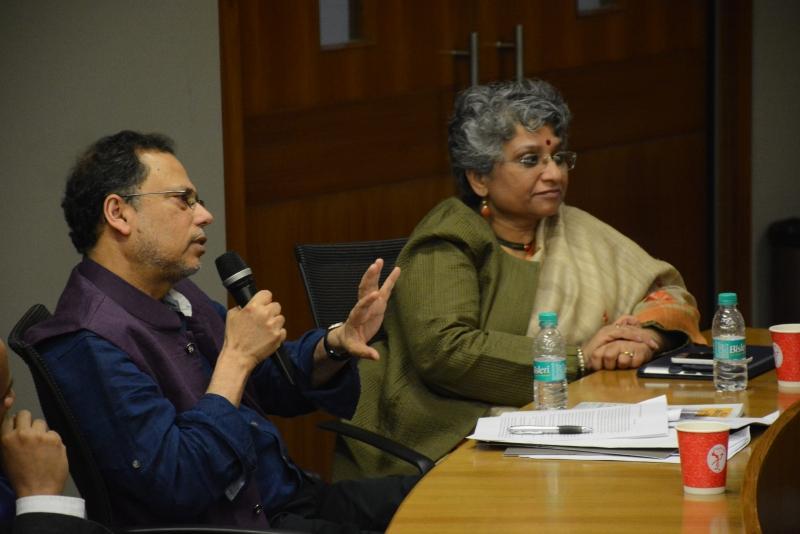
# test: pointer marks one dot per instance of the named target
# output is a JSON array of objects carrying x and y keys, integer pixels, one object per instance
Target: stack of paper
[
  {"x": 628, "y": 432},
  {"x": 738, "y": 440},
  {"x": 729, "y": 414}
]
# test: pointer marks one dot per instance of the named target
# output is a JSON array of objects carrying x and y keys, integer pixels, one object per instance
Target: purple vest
[{"x": 150, "y": 333}]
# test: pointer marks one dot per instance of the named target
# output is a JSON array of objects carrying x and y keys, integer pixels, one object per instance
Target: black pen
[{"x": 558, "y": 429}]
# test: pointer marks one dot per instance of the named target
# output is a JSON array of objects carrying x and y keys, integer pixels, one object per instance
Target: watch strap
[{"x": 332, "y": 353}]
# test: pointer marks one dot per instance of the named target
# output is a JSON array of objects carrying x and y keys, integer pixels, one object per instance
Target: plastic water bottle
[
  {"x": 549, "y": 365},
  {"x": 728, "y": 333}
]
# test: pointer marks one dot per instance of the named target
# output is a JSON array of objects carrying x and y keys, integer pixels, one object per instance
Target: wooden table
[{"x": 475, "y": 489}]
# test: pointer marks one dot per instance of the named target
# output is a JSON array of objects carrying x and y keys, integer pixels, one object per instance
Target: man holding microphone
[{"x": 173, "y": 392}]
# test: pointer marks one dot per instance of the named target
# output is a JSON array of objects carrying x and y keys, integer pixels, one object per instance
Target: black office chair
[
  {"x": 331, "y": 273},
  {"x": 82, "y": 465}
]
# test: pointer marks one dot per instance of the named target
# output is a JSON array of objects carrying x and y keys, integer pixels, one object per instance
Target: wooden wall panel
[
  {"x": 405, "y": 50},
  {"x": 232, "y": 124},
  {"x": 734, "y": 196},
  {"x": 344, "y": 147},
  {"x": 633, "y": 187},
  {"x": 557, "y": 38},
  {"x": 634, "y": 100}
]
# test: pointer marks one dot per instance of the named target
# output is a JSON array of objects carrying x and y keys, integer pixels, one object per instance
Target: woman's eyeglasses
[{"x": 564, "y": 160}]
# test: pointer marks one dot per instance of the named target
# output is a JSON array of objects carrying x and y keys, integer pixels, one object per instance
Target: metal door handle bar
[
  {"x": 472, "y": 53},
  {"x": 517, "y": 45}
]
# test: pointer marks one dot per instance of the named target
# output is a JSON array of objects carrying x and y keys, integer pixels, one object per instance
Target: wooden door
[{"x": 326, "y": 144}]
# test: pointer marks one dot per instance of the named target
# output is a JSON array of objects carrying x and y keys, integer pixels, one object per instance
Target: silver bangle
[{"x": 581, "y": 362}]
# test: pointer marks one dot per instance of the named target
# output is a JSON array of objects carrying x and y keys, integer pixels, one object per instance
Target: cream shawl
[{"x": 591, "y": 274}]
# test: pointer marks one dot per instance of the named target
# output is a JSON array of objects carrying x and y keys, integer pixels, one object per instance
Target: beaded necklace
[{"x": 527, "y": 247}]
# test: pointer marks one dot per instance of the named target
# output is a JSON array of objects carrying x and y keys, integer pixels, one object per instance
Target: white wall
[
  {"x": 776, "y": 132},
  {"x": 72, "y": 72}
]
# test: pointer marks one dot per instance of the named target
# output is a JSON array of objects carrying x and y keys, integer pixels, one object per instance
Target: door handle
[
  {"x": 472, "y": 53},
  {"x": 517, "y": 45}
]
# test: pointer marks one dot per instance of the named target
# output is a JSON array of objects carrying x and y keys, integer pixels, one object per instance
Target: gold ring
[{"x": 627, "y": 353}]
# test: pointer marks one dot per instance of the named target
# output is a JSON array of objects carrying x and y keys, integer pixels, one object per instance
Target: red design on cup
[
  {"x": 703, "y": 450},
  {"x": 786, "y": 349},
  {"x": 717, "y": 458}
]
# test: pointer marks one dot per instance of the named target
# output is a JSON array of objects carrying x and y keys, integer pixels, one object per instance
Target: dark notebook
[{"x": 761, "y": 361}]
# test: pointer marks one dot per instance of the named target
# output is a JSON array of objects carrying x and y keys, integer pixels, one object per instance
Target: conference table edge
[{"x": 476, "y": 489}]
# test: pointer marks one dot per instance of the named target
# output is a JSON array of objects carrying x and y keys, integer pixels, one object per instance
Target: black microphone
[{"x": 238, "y": 280}]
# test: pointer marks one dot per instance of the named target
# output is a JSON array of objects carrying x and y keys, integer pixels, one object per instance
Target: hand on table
[{"x": 622, "y": 345}]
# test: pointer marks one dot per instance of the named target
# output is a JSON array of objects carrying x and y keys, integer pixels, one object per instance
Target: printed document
[
  {"x": 736, "y": 442},
  {"x": 613, "y": 426}
]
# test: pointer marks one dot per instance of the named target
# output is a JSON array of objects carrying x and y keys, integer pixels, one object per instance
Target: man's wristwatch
[{"x": 332, "y": 353}]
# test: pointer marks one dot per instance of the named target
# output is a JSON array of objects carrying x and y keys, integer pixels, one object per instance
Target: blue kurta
[{"x": 135, "y": 372}]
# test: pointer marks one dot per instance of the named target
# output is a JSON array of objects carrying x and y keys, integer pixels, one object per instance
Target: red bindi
[{"x": 547, "y": 141}]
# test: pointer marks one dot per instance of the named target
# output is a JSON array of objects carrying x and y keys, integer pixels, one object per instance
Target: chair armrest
[
  {"x": 420, "y": 461},
  {"x": 196, "y": 529}
]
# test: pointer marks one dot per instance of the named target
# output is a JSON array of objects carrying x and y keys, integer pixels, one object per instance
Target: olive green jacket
[{"x": 456, "y": 342}]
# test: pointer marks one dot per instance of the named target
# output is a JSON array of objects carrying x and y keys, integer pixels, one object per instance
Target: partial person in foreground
[
  {"x": 478, "y": 269},
  {"x": 171, "y": 390},
  {"x": 34, "y": 473}
]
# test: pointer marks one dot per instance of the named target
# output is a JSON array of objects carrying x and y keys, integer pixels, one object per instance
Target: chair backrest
[
  {"x": 82, "y": 465},
  {"x": 771, "y": 486},
  {"x": 331, "y": 273}
]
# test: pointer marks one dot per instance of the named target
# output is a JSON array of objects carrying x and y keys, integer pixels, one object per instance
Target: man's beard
[
  {"x": 175, "y": 272},
  {"x": 172, "y": 271}
]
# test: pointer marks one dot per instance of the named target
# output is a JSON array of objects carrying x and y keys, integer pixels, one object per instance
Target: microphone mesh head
[{"x": 229, "y": 264}]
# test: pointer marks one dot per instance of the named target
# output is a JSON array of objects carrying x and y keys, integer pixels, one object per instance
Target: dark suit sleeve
[{"x": 42, "y": 523}]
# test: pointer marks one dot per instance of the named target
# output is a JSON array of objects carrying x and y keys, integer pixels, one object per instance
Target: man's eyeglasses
[
  {"x": 564, "y": 159},
  {"x": 187, "y": 196}
]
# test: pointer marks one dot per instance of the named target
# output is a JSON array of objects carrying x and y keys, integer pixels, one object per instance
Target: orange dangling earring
[{"x": 485, "y": 210}]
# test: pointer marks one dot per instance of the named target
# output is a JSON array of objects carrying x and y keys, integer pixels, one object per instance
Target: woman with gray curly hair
[{"x": 479, "y": 269}]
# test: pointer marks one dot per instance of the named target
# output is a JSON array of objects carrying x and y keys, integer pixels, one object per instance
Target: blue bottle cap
[
  {"x": 548, "y": 318},
  {"x": 727, "y": 299}
]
